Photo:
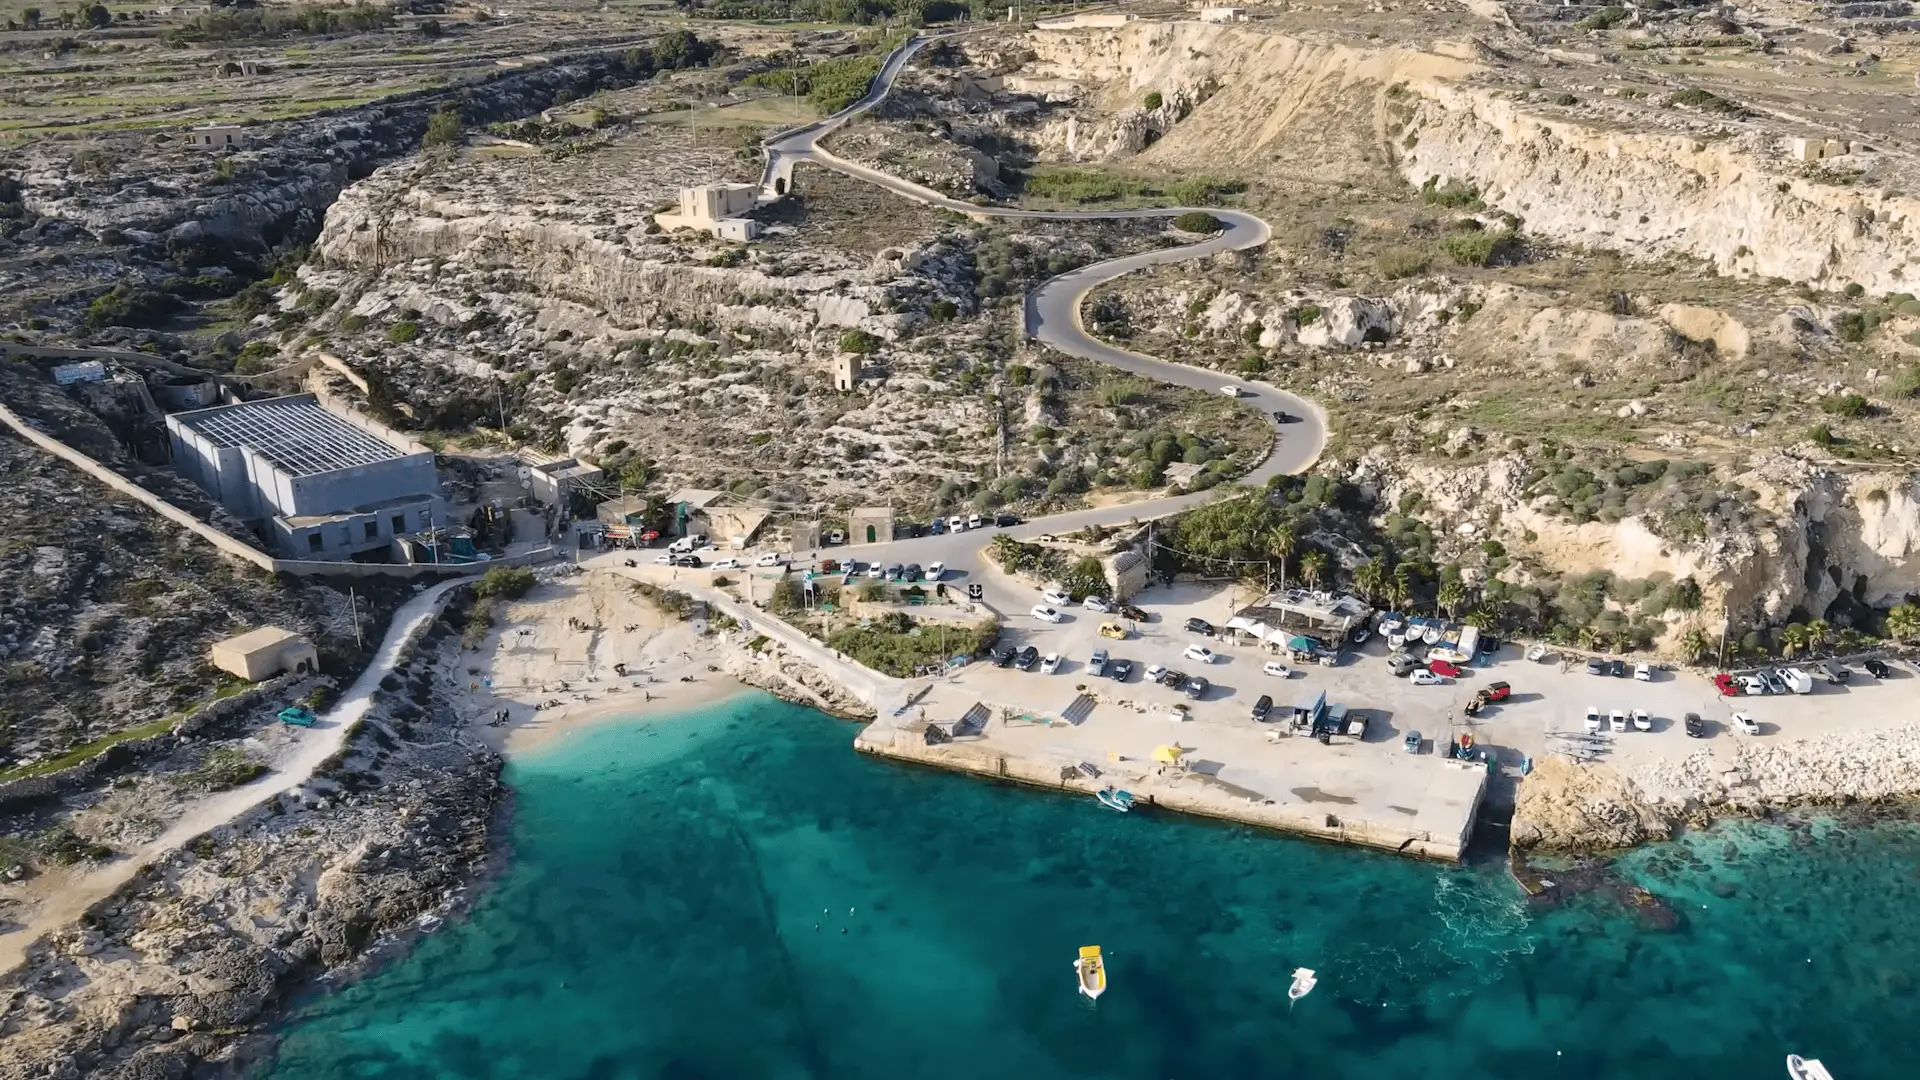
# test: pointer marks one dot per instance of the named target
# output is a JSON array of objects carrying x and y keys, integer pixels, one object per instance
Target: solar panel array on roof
[{"x": 298, "y": 437}]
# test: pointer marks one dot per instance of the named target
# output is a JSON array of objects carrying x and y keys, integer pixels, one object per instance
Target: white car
[
  {"x": 1423, "y": 677},
  {"x": 1277, "y": 669},
  {"x": 1537, "y": 653},
  {"x": 1199, "y": 654},
  {"x": 1641, "y": 721},
  {"x": 771, "y": 558},
  {"x": 1098, "y": 603},
  {"x": 1230, "y": 391},
  {"x": 1746, "y": 724},
  {"x": 936, "y": 570},
  {"x": 1050, "y": 663},
  {"x": 1154, "y": 672},
  {"x": 973, "y": 521},
  {"x": 725, "y": 564},
  {"x": 836, "y": 537},
  {"x": 1056, "y": 598},
  {"x": 1617, "y": 720},
  {"x": 1045, "y": 613},
  {"x": 1593, "y": 719},
  {"x": 875, "y": 570},
  {"x": 1643, "y": 672},
  {"x": 1753, "y": 685},
  {"x": 665, "y": 558},
  {"x": 956, "y": 523}
]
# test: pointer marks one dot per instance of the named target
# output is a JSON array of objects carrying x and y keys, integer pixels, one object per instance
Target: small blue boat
[{"x": 1115, "y": 799}]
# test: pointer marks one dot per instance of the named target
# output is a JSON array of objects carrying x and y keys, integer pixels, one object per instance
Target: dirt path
[{"x": 70, "y": 895}]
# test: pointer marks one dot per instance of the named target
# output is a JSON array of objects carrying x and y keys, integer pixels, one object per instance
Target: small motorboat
[
  {"x": 1303, "y": 983},
  {"x": 1115, "y": 799},
  {"x": 1799, "y": 1068},
  {"x": 1413, "y": 742},
  {"x": 1092, "y": 972},
  {"x": 1396, "y": 640},
  {"x": 1641, "y": 721}
]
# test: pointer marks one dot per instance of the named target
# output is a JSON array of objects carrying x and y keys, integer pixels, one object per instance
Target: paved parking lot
[{"x": 1549, "y": 696}]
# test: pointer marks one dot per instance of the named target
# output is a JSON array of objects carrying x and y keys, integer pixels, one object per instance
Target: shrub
[
  {"x": 1695, "y": 98},
  {"x": 352, "y": 323},
  {"x": 1453, "y": 194},
  {"x": 509, "y": 582},
  {"x": 859, "y": 341},
  {"x": 443, "y": 129},
  {"x": 403, "y": 331},
  {"x": 1851, "y": 326},
  {"x": 1604, "y": 19},
  {"x": 1822, "y": 434},
  {"x": 1307, "y": 314},
  {"x": 1476, "y": 248},
  {"x": 1854, "y": 290},
  {"x": 1852, "y": 406},
  {"x": 1906, "y": 384},
  {"x": 1152, "y": 100},
  {"x": 1396, "y": 263},
  {"x": 1198, "y": 221},
  {"x": 943, "y": 311}
]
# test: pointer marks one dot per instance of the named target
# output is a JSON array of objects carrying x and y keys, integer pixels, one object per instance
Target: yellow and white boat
[{"x": 1092, "y": 971}]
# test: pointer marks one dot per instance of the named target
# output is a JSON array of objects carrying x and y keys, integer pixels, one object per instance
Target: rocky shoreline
[
  {"x": 1573, "y": 808},
  {"x": 183, "y": 970}
]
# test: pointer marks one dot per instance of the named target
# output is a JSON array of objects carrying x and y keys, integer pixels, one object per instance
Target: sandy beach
[{"x": 580, "y": 649}]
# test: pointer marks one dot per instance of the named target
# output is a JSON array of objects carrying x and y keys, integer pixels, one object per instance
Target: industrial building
[{"x": 314, "y": 483}]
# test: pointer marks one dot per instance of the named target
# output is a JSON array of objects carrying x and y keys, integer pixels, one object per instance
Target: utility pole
[
  {"x": 353, "y": 612},
  {"x": 1726, "y": 627}
]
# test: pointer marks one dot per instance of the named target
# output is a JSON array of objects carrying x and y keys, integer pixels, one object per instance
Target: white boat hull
[{"x": 1090, "y": 987}]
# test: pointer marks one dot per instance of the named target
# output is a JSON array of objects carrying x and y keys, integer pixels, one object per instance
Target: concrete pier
[{"x": 1351, "y": 792}]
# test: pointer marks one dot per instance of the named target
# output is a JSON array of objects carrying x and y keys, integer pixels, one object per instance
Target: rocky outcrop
[{"x": 1566, "y": 806}]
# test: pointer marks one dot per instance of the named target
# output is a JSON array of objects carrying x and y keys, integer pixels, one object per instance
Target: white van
[
  {"x": 1797, "y": 680},
  {"x": 682, "y": 545},
  {"x": 1230, "y": 391}
]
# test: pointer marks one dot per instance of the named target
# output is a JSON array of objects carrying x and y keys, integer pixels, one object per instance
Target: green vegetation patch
[{"x": 896, "y": 644}]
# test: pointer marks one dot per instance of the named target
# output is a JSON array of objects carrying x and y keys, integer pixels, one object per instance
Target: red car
[
  {"x": 1441, "y": 667},
  {"x": 1497, "y": 691},
  {"x": 1728, "y": 688}
]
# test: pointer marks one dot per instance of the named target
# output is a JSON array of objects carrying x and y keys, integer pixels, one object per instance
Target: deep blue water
[{"x": 735, "y": 893}]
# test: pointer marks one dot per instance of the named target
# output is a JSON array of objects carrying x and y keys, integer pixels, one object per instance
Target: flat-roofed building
[
  {"x": 265, "y": 652},
  {"x": 316, "y": 484}
]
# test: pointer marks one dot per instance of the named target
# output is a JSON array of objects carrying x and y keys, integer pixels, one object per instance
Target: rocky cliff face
[
  {"x": 1730, "y": 201},
  {"x": 1634, "y": 177}
]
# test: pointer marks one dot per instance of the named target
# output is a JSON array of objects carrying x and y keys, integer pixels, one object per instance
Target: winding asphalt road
[{"x": 1053, "y": 319}]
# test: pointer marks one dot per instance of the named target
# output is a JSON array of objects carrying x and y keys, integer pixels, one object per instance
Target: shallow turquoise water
[{"x": 735, "y": 893}]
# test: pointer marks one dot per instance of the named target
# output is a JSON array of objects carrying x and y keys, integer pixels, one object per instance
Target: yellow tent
[{"x": 1167, "y": 753}]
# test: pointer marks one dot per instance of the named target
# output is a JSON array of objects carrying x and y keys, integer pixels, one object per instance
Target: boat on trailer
[
  {"x": 1799, "y": 1068},
  {"x": 1091, "y": 971}
]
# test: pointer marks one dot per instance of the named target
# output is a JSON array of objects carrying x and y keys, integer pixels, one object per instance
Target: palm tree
[
  {"x": 1694, "y": 643},
  {"x": 1484, "y": 616},
  {"x": 1819, "y": 632},
  {"x": 1452, "y": 593},
  {"x": 1793, "y": 639},
  {"x": 1903, "y": 622},
  {"x": 1280, "y": 546},
  {"x": 1402, "y": 585},
  {"x": 1589, "y": 638},
  {"x": 1370, "y": 578},
  {"x": 1312, "y": 565}
]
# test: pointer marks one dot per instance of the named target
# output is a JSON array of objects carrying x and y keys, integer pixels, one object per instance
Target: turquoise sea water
[{"x": 735, "y": 893}]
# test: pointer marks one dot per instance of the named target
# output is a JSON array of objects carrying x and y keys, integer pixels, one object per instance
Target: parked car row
[
  {"x": 1642, "y": 672},
  {"x": 1617, "y": 720}
]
